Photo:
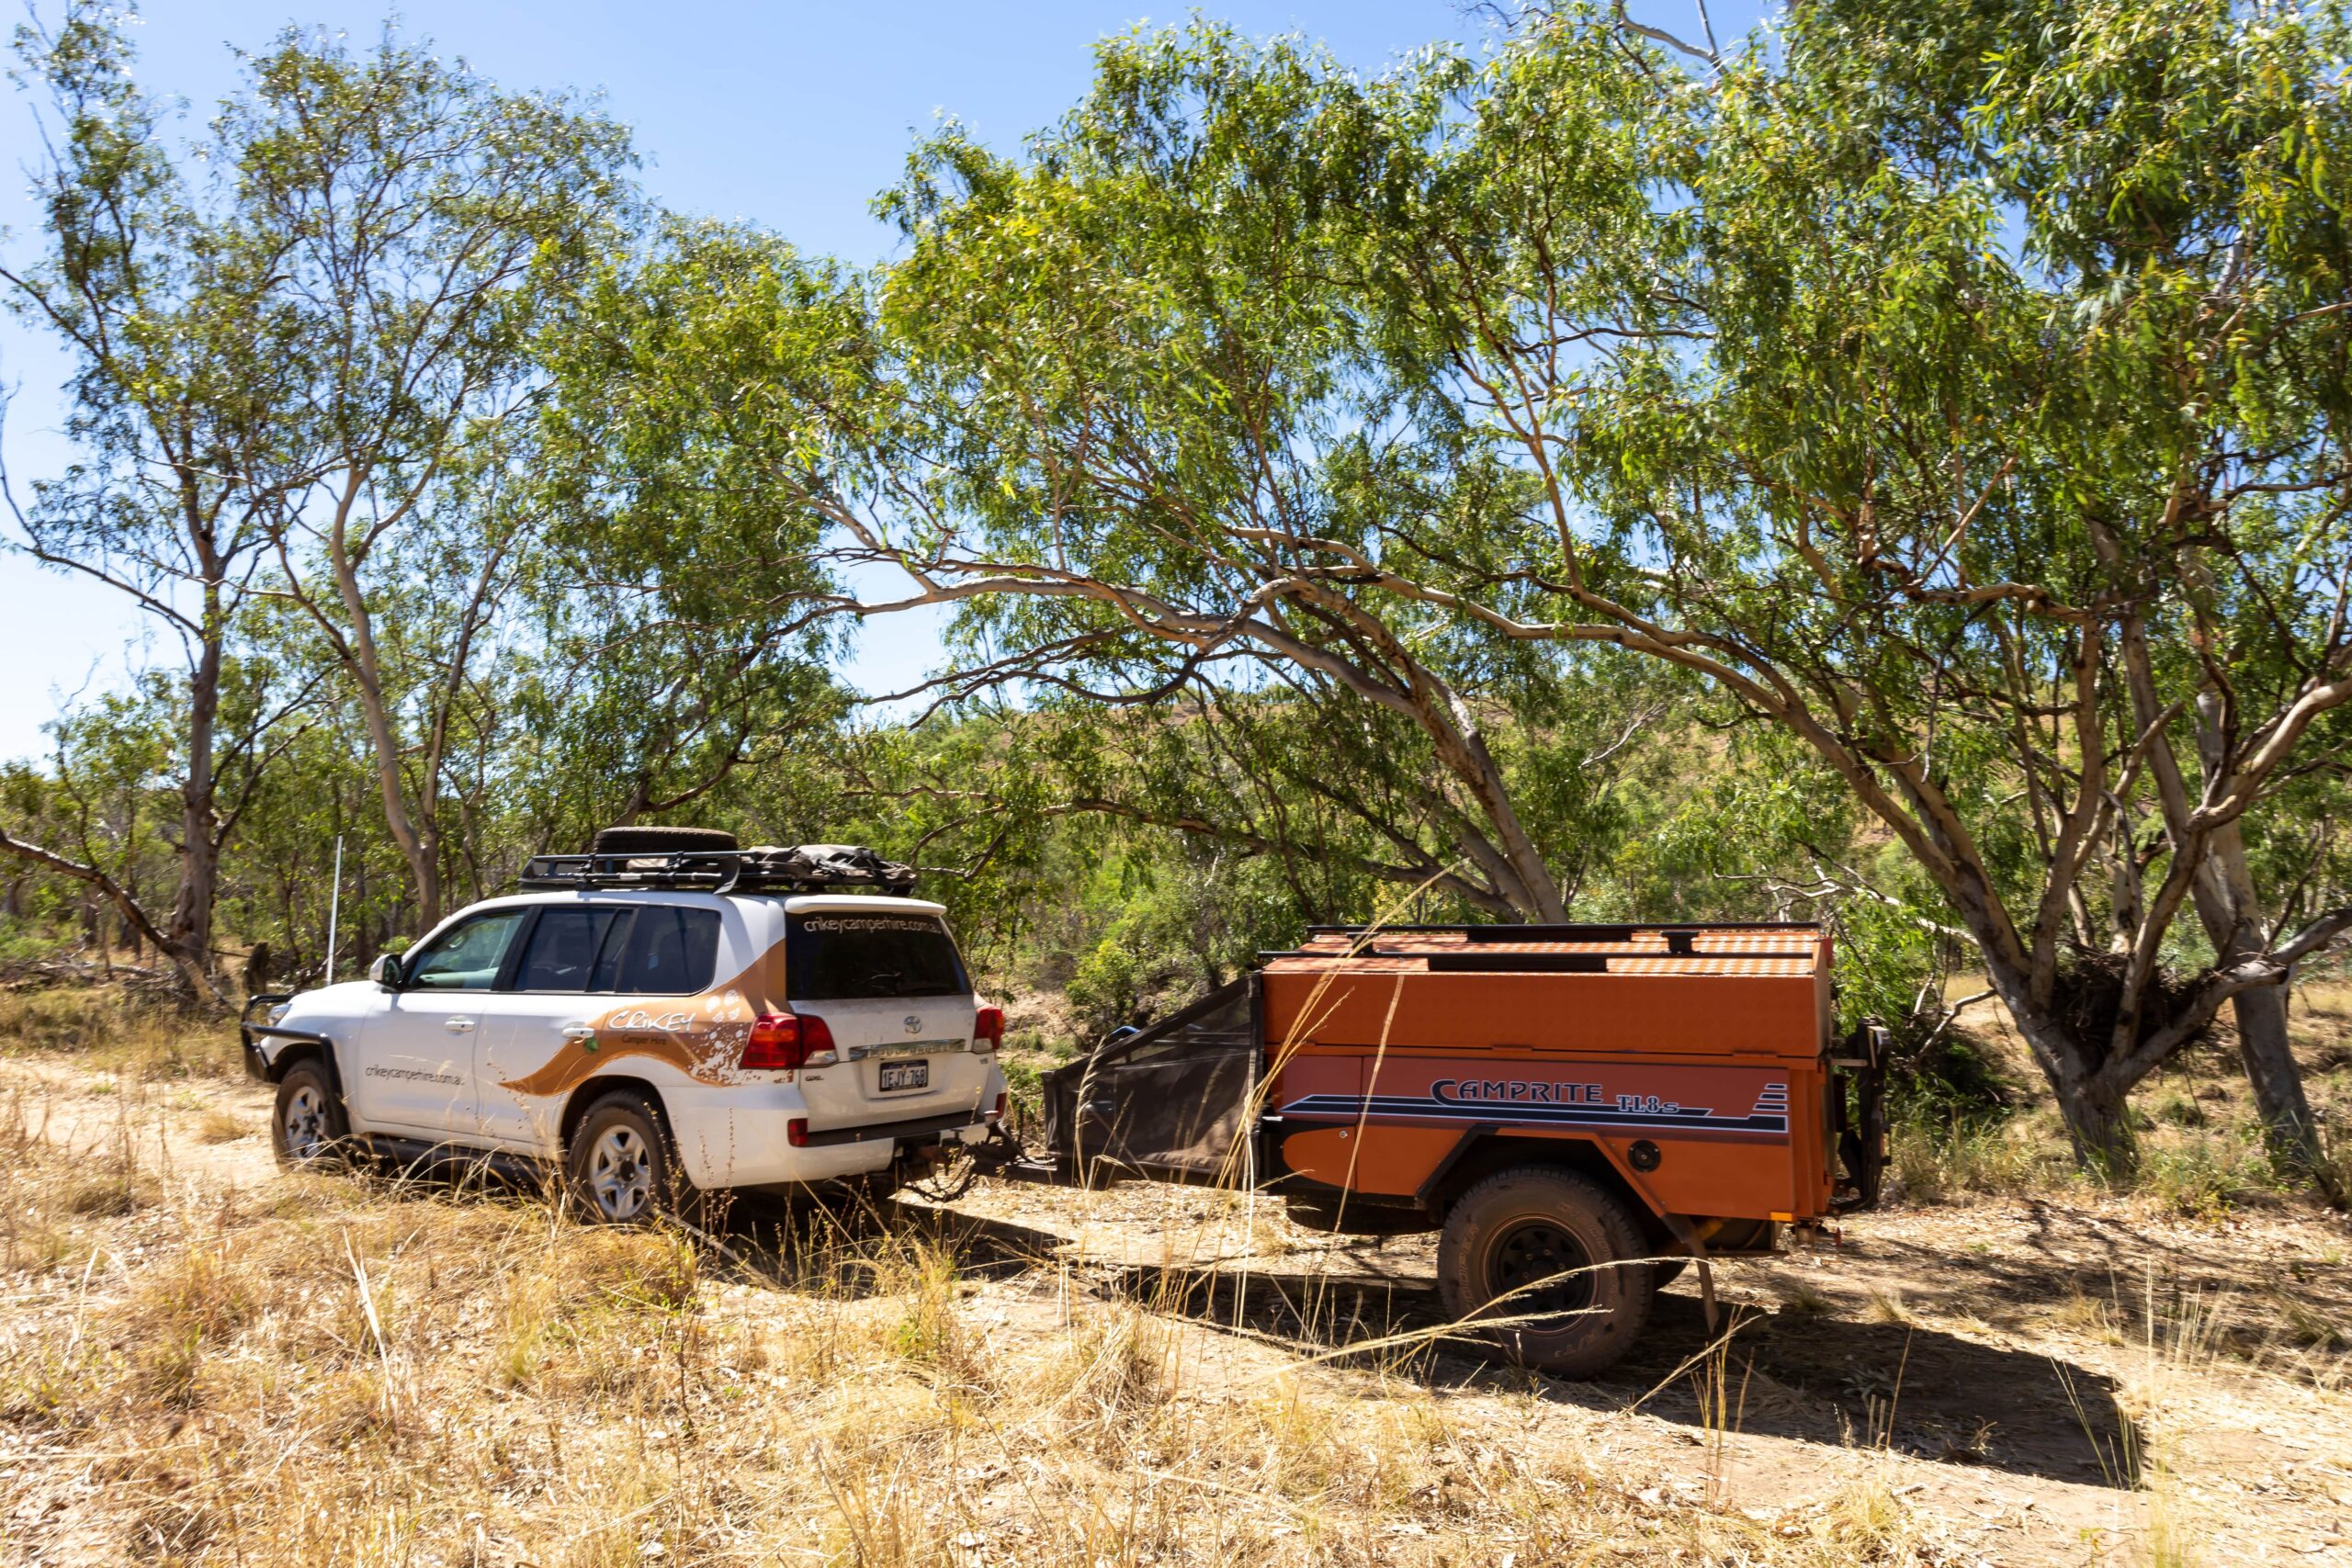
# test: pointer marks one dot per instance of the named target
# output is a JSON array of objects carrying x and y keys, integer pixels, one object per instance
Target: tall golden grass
[{"x": 204, "y": 1362}]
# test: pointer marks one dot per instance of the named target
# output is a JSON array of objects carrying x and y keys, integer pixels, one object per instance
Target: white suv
[{"x": 655, "y": 1021}]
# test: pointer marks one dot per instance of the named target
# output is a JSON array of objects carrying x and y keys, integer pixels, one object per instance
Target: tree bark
[
  {"x": 2227, "y": 904},
  {"x": 2091, "y": 1103},
  {"x": 2230, "y": 907},
  {"x": 190, "y": 928},
  {"x": 417, "y": 833},
  {"x": 2098, "y": 1124}
]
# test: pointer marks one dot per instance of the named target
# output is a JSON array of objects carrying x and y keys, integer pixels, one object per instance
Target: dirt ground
[
  {"x": 2014, "y": 1369},
  {"x": 2066, "y": 1379}
]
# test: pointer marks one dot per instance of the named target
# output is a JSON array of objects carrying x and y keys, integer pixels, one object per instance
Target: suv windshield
[{"x": 842, "y": 957}]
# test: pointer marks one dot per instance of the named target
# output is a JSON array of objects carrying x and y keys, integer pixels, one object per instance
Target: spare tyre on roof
[
  {"x": 705, "y": 860},
  {"x": 651, "y": 840}
]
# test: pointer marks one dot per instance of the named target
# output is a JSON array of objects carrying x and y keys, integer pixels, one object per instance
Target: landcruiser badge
[{"x": 914, "y": 1024}]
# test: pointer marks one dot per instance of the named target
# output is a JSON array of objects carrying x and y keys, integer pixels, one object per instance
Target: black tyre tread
[
  {"x": 674, "y": 1195},
  {"x": 661, "y": 840},
  {"x": 311, "y": 1071},
  {"x": 1593, "y": 1344}
]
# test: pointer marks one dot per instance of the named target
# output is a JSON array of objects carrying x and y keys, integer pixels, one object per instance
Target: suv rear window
[{"x": 851, "y": 955}]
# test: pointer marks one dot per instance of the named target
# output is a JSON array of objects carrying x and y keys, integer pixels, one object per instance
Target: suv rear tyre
[
  {"x": 307, "y": 1129},
  {"x": 620, "y": 1168},
  {"x": 1553, "y": 1244}
]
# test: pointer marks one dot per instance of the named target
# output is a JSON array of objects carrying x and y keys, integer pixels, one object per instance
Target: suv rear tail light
[
  {"x": 997, "y": 1114},
  {"x": 796, "y": 1131},
  {"x": 782, "y": 1041},
  {"x": 987, "y": 1030}
]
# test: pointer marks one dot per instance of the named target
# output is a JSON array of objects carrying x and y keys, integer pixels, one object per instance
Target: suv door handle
[
  {"x": 457, "y": 1025},
  {"x": 578, "y": 1032}
]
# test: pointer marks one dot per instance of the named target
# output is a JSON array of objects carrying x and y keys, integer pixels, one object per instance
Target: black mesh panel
[{"x": 1171, "y": 1100}]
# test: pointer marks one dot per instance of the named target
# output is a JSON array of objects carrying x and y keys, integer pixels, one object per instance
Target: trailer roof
[{"x": 1776, "y": 950}]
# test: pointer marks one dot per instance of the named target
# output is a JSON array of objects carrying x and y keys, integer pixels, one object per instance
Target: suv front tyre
[
  {"x": 620, "y": 1167},
  {"x": 307, "y": 1129}
]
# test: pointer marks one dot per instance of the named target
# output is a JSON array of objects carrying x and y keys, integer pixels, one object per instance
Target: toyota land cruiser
[{"x": 666, "y": 1016}]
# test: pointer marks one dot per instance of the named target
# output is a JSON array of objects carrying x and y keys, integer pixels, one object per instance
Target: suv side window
[
  {"x": 647, "y": 949},
  {"x": 468, "y": 958},
  {"x": 671, "y": 951},
  {"x": 573, "y": 950}
]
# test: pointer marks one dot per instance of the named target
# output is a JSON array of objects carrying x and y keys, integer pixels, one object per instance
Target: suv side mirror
[{"x": 386, "y": 971}]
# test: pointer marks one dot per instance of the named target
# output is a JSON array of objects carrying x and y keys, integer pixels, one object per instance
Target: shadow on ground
[
  {"x": 1917, "y": 1390},
  {"x": 1813, "y": 1377}
]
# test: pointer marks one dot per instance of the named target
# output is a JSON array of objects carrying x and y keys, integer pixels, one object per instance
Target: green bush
[{"x": 1103, "y": 989}]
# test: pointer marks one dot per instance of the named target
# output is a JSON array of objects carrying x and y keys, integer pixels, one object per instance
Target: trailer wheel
[
  {"x": 1665, "y": 1271},
  {"x": 1547, "y": 1247}
]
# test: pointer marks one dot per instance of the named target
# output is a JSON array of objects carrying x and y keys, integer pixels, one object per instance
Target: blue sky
[{"x": 790, "y": 115}]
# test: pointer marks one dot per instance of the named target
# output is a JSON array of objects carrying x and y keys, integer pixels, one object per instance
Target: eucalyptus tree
[
  {"x": 2181, "y": 195},
  {"x": 301, "y": 375},
  {"x": 184, "y": 360},
  {"x": 1122, "y": 369},
  {"x": 1923, "y": 435},
  {"x": 425, "y": 225},
  {"x": 1397, "y": 384},
  {"x": 687, "y": 621}
]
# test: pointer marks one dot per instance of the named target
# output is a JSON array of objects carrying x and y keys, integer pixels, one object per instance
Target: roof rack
[{"x": 807, "y": 868}]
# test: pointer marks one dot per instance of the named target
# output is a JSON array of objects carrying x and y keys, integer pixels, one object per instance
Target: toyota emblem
[{"x": 914, "y": 1024}]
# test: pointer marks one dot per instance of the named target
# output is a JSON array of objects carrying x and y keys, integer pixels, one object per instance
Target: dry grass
[
  {"x": 2202, "y": 1153},
  {"x": 215, "y": 1125},
  {"x": 2180, "y": 1343},
  {"x": 324, "y": 1370},
  {"x": 1939, "y": 1163},
  {"x": 1804, "y": 1300},
  {"x": 1886, "y": 1306},
  {"x": 204, "y": 1362},
  {"x": 106, "y": 1030}
]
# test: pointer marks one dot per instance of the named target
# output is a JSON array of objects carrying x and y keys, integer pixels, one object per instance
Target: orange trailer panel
[{"x": 1696, "y": 1061}]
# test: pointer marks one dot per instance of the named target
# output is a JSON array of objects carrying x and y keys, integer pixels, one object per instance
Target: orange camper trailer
[{"x": 1578, "y": 1111}]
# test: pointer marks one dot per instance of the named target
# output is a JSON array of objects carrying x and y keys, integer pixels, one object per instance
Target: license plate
[{"x": 906, "y": 1075}]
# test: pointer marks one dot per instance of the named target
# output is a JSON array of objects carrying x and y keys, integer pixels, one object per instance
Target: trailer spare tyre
[
  {"x": 1550, "y": 1262},
  {"x": 658, "y": 840}
]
